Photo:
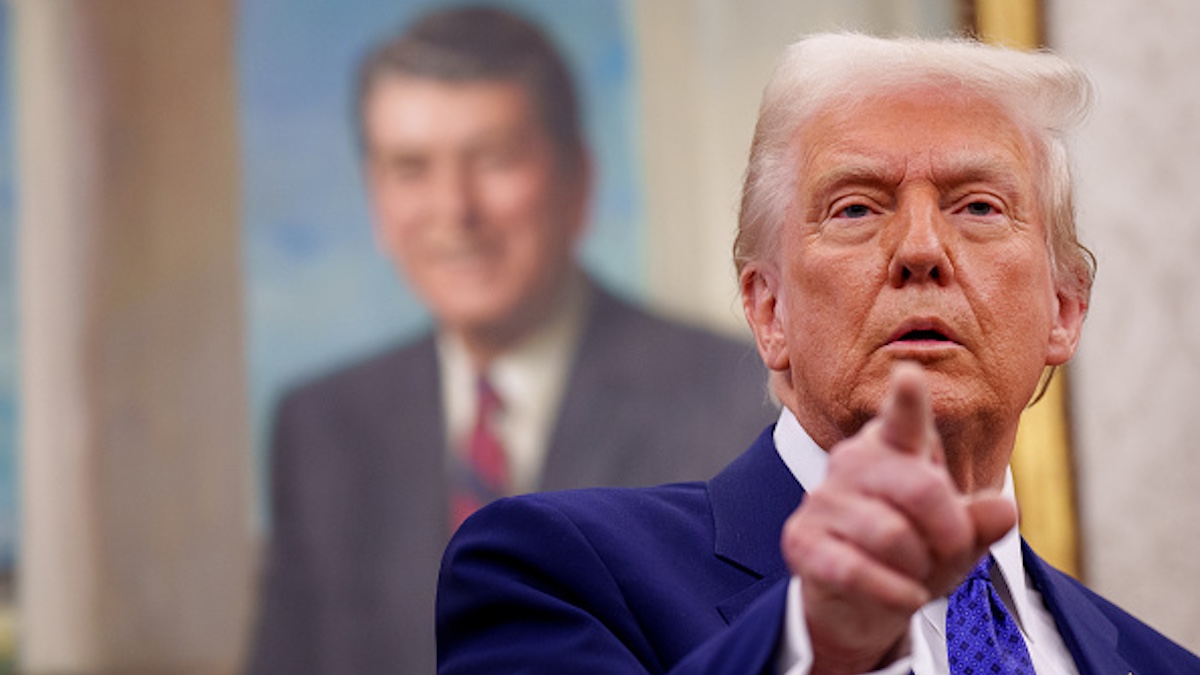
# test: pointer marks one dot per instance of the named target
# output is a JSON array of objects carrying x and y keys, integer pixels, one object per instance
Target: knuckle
[
  {"x": 900, "y": 546},
  {"x": 928, "y": 489},
  {"x": 838, "y": 571},
  {"x": 825, "y": 564},
  {"x": 891, "y": 533}
]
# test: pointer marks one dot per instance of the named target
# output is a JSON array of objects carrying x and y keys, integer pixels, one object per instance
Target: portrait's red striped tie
[{"x": 483, "y": 475}]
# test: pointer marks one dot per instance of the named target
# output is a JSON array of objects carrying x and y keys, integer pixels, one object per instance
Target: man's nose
[
  {"x": 456, "y": 197},
  {"x": 922, "y": 237}
]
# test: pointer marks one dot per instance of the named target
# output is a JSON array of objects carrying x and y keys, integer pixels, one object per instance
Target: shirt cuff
[{"x": 795, "y": 655}]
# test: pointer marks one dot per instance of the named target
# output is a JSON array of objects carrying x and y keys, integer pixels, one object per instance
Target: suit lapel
[
  {"x": 750, "y": 500},
  {"x": 594, "y": 412},
  {"x": 408, "y": 443},
  {"x": 1089, "y": 635}
]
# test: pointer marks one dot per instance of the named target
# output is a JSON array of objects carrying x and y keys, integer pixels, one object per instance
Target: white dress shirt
[
  {"x": 529, "y": 379},
  {"x": 927, "y": 630}
]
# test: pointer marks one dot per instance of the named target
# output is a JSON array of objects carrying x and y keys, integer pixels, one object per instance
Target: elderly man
[
  {"x": 909, "y": 268},
  {"x": 534, "y": 378}
]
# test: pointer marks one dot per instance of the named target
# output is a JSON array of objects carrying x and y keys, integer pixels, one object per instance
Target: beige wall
[
  {"x": 703, "y": 65},
  {"x": 1137, "y": 376}
]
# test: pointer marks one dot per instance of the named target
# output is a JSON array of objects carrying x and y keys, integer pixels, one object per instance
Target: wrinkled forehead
[
  {"x": 932, "y": 93},
  {"x": 943, "y": 128}
]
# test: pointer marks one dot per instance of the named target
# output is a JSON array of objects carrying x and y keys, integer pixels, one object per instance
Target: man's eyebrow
[
  {"x": 998, "y": 171},
  {"x": 856, "y": 170},
  {"x": 491, "y": 135},
  {"x": 948, "y": 173},
  {"x": 408, "y": 156}
]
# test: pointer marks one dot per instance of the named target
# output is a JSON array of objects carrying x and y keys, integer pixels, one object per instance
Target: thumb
[{"x": 993, "y": 515}]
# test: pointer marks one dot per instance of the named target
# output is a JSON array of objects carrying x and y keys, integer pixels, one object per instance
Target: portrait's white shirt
[
  {"x": 927, "y": 630},
  {"x": 530, "y": 380}
]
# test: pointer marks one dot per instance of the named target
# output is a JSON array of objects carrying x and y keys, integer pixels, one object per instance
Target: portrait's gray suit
[{"x": 359, "y": 494}]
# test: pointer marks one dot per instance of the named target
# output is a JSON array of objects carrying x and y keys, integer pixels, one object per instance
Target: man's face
[
  {"x": 471, "y": 201},
  {"x": 915, "y": 235}
]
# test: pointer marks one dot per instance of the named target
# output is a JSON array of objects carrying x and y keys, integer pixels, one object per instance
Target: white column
[
  {"x": 58, "y": 582},
  {"x": 136, "y": 553}
]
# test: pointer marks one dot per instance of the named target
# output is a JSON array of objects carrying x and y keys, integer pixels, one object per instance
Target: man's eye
[
  {"x": 980, "y": 209},
  {"x": 499, "y": 157},
  {"x": 855, "y": 211},
  {"x": 406, "y": 168}
]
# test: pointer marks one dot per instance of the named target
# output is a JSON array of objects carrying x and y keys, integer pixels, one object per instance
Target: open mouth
[
  {"x": 923, "y": 332},
  {"x": 924, "y": 335}
]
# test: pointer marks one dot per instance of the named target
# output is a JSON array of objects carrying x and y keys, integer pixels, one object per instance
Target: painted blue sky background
[
  {"x": 8, "y": 313},
  {"x": 318, "y": 293}
]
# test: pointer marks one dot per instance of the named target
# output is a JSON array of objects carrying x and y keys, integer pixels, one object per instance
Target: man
[
  {"x": 909, "y": 268},
  {"x": 478, "y": 176}
]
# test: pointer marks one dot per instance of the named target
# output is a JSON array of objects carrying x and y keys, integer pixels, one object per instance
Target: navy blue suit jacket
[{"x": 686, "y": 578}]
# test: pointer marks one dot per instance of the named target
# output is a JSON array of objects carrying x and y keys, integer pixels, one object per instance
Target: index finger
[{"x": 907, "y": 413}]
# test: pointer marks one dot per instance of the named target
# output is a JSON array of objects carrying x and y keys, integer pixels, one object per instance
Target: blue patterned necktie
[{"x": 981, "y": 636}]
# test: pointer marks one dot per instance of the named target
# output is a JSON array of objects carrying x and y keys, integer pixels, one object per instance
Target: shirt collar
[
  {"x": 803, "y": 457},
  {"x": 535, "y": 363},
  {"x": 529, "y": 378}
]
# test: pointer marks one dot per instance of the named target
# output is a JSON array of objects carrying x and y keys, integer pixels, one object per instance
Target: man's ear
[
  {"x": 765, "y": 313},
  {"x": 1067, "y": 327}
]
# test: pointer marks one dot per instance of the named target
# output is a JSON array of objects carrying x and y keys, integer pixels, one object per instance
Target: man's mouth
[
  {"x": 925, "y": 335},
  {"x": 923, "y": 331}
]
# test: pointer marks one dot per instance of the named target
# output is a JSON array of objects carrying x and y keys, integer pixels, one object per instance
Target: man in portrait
[{"x": 533, "y": 377}]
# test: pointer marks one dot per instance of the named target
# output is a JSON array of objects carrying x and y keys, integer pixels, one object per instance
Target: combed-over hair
[
  {"x": 1045, "y": 95},
  {"x": 483, "y": 44}
]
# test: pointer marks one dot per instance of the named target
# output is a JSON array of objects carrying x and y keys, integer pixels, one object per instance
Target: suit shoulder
[
  {"x": 366, "y": 374},
  {"x": 608, "y": 507},
  {"x": 635, "y": 335},
  {"x": 632, "y": 319},
  {"x": 607, "y": 518},
  {"x": 594, "y": 566},
  {"x": 383, "y": 396}
]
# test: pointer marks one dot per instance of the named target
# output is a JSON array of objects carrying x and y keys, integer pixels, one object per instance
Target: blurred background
[{"x": 184, "y": 234}]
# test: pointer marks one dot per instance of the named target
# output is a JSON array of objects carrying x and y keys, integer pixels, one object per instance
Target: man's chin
[
  {"x": 500, "y": 328},
  {"x": 952, "y": 390},
  {"x": 479, "y": 323}
]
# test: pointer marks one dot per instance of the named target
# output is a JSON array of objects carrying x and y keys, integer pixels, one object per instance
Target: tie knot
[
  {"x": 982, "y": 570},
  {"x": 489, "y": 400},
  {"x": 981, "y": 636}
]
